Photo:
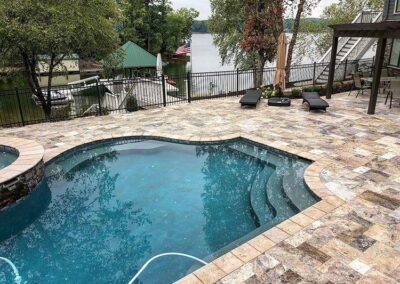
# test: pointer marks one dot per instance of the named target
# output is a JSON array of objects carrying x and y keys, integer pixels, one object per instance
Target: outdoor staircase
[{"x": 349, "y": 48}]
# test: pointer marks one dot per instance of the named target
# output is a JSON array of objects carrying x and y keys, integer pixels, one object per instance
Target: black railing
[{"x": 20, "y": 107}]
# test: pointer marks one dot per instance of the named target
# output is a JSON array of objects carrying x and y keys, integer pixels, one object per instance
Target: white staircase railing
[
  {"x": 356, "y": 49},
  {"x": 363, "y": 17}
]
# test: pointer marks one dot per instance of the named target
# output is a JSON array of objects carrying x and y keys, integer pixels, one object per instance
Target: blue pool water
[
  {"x": 104, "y": 210},
  {"x": 7, "y": 158}
]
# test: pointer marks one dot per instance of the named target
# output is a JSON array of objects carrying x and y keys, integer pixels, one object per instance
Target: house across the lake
[{"x": 67, "y": 71}]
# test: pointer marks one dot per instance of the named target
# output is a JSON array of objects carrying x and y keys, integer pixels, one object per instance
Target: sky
[{"x": 203, "y": 6}]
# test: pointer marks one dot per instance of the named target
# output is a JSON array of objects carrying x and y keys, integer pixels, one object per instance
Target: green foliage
[
  {"x": 113, "y": 61},
  {"x": 132, "y": 104},
  {"x": 155, "y": 26},
  {"x": 311, "y": 89},
  {"x": 32, "y": 31},
  {"x": 296, "y": 92},
  {"x": 226, "y": 24},
  {"x": 200, "y": 26},
  {"x": 278, "y": 92},
  {"x": 337, "y": 13},
  {"x": 336, "y": 86},
  {"x": 267, "y": 92}
]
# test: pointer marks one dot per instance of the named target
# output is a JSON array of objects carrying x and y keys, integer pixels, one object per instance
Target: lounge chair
[
  {"x": 314, "y": 101},
  {"x": 251, "y": 98}
]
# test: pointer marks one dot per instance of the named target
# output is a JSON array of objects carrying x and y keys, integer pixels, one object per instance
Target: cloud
[{"x": 203, "y": 6}]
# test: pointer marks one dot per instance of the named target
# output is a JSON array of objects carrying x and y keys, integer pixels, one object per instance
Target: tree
[
  {"x": 33, "y": 31},
  {"x": 242, "y": 30},
  {"x": 226, "y": 24},
  {"x": 200, "y": 26},
  {"x": 264, "y": 24},
  {"x": 176, "y": 28},
  {"x": 344, "y": 11},
  {"x": 155, "y": 26},
  {"x": 303, "y": 7}
]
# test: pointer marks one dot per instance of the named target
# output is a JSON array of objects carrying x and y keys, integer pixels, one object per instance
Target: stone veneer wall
[
  {"x": 13, "y": 190},
  {"x": 392, "y": 71},
  {"x": 23, "y": 175}
]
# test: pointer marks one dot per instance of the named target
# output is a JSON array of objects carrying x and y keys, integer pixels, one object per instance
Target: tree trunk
[
  {"x": 260, "y": 69},
  {"x": 293, "y": 40},
  {"x": 47, "y": 108}
]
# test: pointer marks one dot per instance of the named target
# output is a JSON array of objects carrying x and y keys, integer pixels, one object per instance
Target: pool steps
[
  {"x": 283, "y": 205},
  {"x": 258, "y": 197},
  {"x": 297, "y": 193},
  {"x": 290, "y": 199}
]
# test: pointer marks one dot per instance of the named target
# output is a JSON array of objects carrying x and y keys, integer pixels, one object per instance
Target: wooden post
[
  {"x": 380, "y": 55},
  {"x": 345, "y": 70},
  {"x": 332, "y": 65}
]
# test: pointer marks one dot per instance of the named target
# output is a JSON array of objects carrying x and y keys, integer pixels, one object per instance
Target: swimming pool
[
  {"x": 104, "y": 209},
  {"x": 7, "y": 158}
]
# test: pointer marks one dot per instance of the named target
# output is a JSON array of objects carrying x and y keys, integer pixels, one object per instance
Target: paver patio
[{"x": 352, "y": 236}]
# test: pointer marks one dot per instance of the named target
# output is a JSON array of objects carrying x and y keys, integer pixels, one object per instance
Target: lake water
[{"x": 206, "y": 58}]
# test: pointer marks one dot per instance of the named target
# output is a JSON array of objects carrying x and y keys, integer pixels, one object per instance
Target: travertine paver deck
[{"x": 353, "y": 235}]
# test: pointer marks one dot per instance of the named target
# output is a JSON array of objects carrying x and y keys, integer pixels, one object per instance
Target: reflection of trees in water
[
  {"x": 228, "y": 174},
  {"x": 86, "y": 224}
]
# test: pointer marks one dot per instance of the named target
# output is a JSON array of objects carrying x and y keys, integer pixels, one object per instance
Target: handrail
[
  {"x": 358, "y": 19},
  {"x": 374, "y": 20}
]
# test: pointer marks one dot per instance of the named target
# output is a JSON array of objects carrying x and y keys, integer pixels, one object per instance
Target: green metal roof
[{"x": 137, "y": 57}]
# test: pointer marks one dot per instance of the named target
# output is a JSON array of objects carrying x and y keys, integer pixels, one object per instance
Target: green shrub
[
  {"x": 267, "y": 92},
  {"x": 132, "y": 104},
  {"x": 336, "y": 87},
  {"x": 296, "y": 92},
  {"x": 317, "y": 89},
  {"x": 278, "y": 91},
  {"x": 308, "y": 89}
]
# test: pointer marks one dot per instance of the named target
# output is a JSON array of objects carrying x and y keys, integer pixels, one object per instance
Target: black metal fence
[{"x": 20, "y": 107}]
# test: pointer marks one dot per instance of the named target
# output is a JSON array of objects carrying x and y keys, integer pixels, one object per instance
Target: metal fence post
[
  {"x": 98, "y": 98},
  {"x": 188, "y": 87},
  {"x": 237, "y": 81},
  {"x": 20, "y": 107},
  {"x": 345, "y": 70},
  {"x": 314, "y": 70},
  {"x": 164, "y": 93}
]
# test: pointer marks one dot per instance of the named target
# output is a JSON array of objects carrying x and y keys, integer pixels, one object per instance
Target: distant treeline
[{"x": 202, "y": 26}]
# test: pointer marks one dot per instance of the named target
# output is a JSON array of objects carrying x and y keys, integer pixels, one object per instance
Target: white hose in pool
[
  {"x": 17, "y": 278},
  {"x": 161, "y": 255}
]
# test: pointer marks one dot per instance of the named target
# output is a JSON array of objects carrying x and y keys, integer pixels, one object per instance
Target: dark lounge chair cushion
[
  {"x": 310, "y": 95},
  {"x": 314, "y": 101},
  {"x": 251, "y": 98},
  {"x": 279, "y": 101},
  {"x": 316, "y": 104}
]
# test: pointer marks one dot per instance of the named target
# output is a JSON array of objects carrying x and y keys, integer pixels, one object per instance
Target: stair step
[
  {"x": 258, "y": 196},
  {"x": 277, "y": 198},
  {"x": 298, "y": 192}
]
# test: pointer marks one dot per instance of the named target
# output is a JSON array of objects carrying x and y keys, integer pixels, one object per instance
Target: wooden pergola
[{"x": 382, "y": 31}]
